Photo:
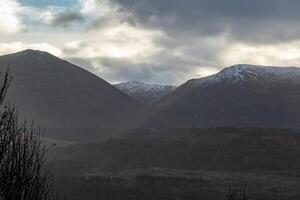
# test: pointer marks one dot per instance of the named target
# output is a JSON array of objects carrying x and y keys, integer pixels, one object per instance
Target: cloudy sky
[{"x": 156, "y": 41}]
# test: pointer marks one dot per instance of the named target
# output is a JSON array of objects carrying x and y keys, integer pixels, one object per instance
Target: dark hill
[
  {"x": 56, "y": 93},
  {"x": 241, "y": 95}
]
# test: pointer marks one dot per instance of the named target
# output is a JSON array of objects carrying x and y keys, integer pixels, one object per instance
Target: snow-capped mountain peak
[
  {"x": 240, "y": 95},
  {"x": 136, "y": 85},
  {"x": 243, "y": 72},
  {"x": 144, "y": 92}
]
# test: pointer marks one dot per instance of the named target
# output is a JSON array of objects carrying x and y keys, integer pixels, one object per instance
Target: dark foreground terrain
[{"x": 181, "y": 164}]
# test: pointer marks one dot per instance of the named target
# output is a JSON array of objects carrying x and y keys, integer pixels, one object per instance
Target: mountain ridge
[
  {"x": 236, "y": 97},
  {"x": 56, "y": 93},
  {"x": 241, "y": 72}
]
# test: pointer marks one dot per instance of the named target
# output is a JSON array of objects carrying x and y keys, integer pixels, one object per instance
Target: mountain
[
  {"x": 55, "y": 93},
  {"x": 240, "y": 95},
  {"x": 143, "y": 92}
]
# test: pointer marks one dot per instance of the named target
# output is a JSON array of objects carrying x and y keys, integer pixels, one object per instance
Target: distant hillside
[
  {"x": 241, "y": 95},
  {"x": 143, "y": 92},
  {"x": 56, "y": 93}
]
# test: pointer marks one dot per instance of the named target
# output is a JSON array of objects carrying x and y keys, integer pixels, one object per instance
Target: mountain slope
[
  {"x": 56, "y": 93},
  {"x": 143, "y": 92},
  {"x": 241, "y": 95}
]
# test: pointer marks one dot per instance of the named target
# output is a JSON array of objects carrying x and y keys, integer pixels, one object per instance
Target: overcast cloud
[{"x": 158, "y": 41}]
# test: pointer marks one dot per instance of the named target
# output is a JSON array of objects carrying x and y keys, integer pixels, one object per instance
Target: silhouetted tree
[{"x": 24, "y": 172}]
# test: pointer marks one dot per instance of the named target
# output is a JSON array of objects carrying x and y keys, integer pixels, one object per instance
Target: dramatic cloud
[
  {"x": 247, "y": 20},
  {"x": 9, "y": 14},
  {"x": 158, "y": 41},
  {"x": 13, "y": 47},
  {"x": 51, "y": 17},
  {"x": 276, "y": 55},
  {"x": 122, "y": 41},
  {"x": 119, "y": 70},
  {"x": 66, "y": 18}
]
